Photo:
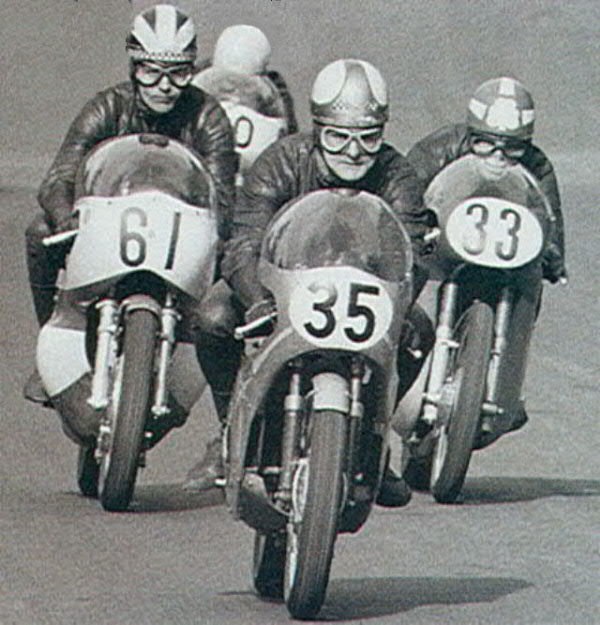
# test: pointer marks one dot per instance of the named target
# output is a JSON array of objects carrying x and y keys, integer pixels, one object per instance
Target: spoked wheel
[
  {"x": 128, "y": 410},
  {"x": 462, "y": 398},
  {"x": 88, "y": 471},
  {"x": 269, "y": 564},
  {"x": 316, "y": 498}
]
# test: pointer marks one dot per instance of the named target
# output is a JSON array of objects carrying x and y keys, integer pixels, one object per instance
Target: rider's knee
[
  {"x": 218, "y": 313},
  {"x": 36, "y": 231}
]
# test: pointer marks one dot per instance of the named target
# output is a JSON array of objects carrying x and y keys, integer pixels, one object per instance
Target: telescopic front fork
[
  {"x": 169, "y": 318},
  {"x": 105, "y": 353},
  {"x": 441, "y": 351},
  {"x": 293, "y": 406}
]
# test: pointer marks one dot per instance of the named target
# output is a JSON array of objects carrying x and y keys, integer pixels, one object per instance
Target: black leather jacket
[
  {"x": 196, "y": 120},
  {"x": 432, "y": 153},
  {"x": 294, "y": 166}
]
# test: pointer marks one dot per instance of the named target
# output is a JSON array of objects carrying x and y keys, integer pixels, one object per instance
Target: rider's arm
[
  {"x": 94, "y": 123},
  {"x": 267, "y": 187},
  {"x": 286, "y": 97},
  {"x": 554, "y": 258},
  {"x": 403, "y": 190},
  {"x": 432, "y": 153},
  {"x": 213, "y": 140}
]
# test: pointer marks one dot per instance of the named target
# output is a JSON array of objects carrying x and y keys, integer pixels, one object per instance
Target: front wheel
[
  {"x": 128, "y": 410},
  {"x": 316, "y": 500},
  {"x": 462, "y": 399}
]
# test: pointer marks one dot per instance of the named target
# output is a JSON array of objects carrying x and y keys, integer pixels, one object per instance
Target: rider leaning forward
[
  {"x": 498, "y": 129},
  {"x": 346, "y": 148},
  {"x": 158, "y": 98}
]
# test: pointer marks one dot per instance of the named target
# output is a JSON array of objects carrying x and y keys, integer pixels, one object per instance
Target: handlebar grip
[
  {"x": 61, "y": 237},
  {"x": 242, "y": 332}
]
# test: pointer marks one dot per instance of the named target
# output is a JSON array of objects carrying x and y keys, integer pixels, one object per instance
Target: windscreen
[
  {"x": 136, "y": 163},
  {"x": 339, "y": 227}
]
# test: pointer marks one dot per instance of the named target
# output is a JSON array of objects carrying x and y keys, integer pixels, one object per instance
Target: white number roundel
[
  {"x": 492, "y": 232},
  {"x": 340, "y": 308}
]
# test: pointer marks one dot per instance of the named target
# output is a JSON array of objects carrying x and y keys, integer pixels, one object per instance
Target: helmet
[
  {"x": 243, "y": 49},
  {"x": 349, "y": 92},
  {"x": 162, "y": 33},
  {"x": 502, "y": 106}
]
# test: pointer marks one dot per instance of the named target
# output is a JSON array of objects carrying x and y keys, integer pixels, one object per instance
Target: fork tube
[
  {"x": 441, "y": 350},
  {"x": 167, "y": 340},
  {"x": 107, "y": 328},
  {"x": 356, "y": 415},
  {"x": 292, "y": 408},
  {"x": 503, "y": 311}
]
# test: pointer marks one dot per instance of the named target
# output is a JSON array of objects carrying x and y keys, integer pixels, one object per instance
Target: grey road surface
[{"x": 522, "y": 548}]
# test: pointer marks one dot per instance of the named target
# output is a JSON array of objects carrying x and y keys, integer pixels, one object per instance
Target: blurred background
[{"x": 55, "y": 54}]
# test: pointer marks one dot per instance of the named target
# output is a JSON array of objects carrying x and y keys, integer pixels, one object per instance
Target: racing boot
[
  {"x": 34, "y": 390},
  {"x": 394, "y": 491},
  {"x": 209, "y": 472}
]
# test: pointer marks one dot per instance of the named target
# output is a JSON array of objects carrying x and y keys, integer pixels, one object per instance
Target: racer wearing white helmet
[
  {"x": 158, "y": 99},
  {"x": 162, "y": 48},
  {"x": 499, "y": 128},
  {"x": 346, "y": 149},
  {"x": 349, "y": 106}
]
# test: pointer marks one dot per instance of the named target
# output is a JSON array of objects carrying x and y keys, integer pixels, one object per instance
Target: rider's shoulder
[{"x": 448, "y": 134}]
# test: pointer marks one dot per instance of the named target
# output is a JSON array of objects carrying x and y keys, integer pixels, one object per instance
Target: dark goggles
[
  {"x": 486, "y": 145},
  {"x": 335, "y": 140},
  {"x": 149, "y": 74}
]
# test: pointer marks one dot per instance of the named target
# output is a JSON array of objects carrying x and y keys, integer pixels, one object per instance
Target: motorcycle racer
[
  {"x": 499, "y": 126},
  {"x": 346, "y": 148},
  {"x": 499, "y": 131},
  {"x": 158, "y": 98}
]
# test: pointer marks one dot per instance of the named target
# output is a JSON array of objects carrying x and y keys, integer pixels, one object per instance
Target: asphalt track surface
[{"x": 521, "y": 549}]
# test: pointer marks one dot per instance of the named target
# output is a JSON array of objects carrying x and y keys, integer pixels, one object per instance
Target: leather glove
[
  {"x": 70, "y": 222},
  {"x": 553, "y": 264},
  {"x": 260, "y": 309}
]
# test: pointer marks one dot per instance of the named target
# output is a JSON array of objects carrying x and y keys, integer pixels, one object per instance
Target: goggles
[
  {"x": 335, "y": 140},
  {"x": 149, "y": 74},
  {"x": 485, "y": 145}
]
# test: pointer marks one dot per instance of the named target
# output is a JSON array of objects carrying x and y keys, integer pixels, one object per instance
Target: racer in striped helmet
[{"x": 162, "y": 49}]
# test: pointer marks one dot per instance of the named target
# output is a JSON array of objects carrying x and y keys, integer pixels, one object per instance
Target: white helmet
[
  {"x": 243, "y": 49},
  {"x": 349, "y": 92},
  {"x": 162, "y": 33}
]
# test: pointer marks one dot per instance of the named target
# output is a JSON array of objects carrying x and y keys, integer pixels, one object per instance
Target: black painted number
[
  {"x": 324, "y": 308},
  {"x": 133, "y": 244},
  {"x": 360, "y": 310},
  {"x": 356, "y": 310},
  {"x": 480, "y": 213},
  {"x": 512, "y": 231},
  {"x": 243, "y": 132}
]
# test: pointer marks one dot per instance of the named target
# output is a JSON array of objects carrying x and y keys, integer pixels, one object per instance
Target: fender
[
  {"x": 142, "y": 302},
  {"x": 331, "y": 393}
]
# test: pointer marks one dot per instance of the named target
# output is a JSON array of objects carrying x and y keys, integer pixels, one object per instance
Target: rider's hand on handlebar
[
  {"x": 262, "y": 308},
  {"x": 553, "y": 265},
  {"x": 71, "y": 222}
]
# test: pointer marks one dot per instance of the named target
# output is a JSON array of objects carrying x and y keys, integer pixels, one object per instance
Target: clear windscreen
[
  {"x": 339, "y": 227},
  {"x": 136, "y": 163}
]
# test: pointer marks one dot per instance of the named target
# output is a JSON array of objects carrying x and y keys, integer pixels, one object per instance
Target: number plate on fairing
[
  {"x": 492, "y": 232},
  {"x": 340, "y": 308}
]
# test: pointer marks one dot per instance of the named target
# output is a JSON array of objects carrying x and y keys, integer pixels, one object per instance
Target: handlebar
[
  {"x": 61, "y": 237},
  {"x": 242, "y": 332}
]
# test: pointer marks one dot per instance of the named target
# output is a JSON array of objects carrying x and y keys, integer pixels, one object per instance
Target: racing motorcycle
[
  {"x": 307, "y": 438},
  {"x": 494, "y": 226},
  {"x": 117, "y": 357}
]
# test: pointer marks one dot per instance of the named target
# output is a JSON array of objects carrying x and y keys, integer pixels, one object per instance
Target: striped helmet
[
  {"x": 502, "y": 106},
  {"x": 162, "y": 33},
  {"x": 349, "y": 92}
]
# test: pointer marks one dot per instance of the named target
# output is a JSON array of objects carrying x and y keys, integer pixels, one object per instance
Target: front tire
[
  {"x": 465, "y": 390},
  {"x": 312, "y": 529},
  {"x": 130, "y": 406}
]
